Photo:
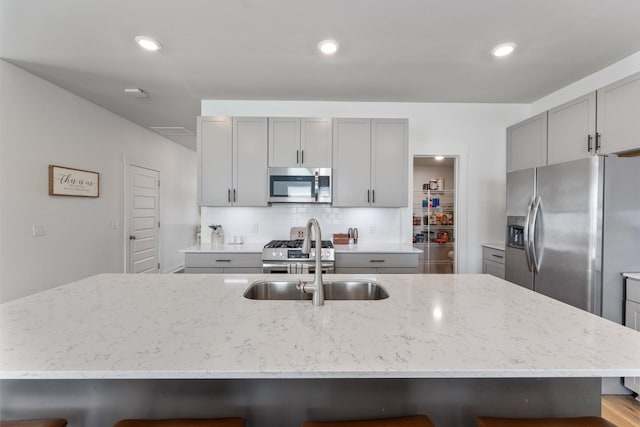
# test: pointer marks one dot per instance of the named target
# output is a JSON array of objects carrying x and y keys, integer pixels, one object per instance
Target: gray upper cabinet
[
  {"x": 352, "y": 162},
  {"x": 215, "y": 155},
  {"x": 572, "y": 130},
  {"x": 527, "y": 143},
  {"x": 370, "y": 162},
  {"x": 389, "y": 162},
  {"x": 232, "y": 161},
  {"x": 300, "y": 142},
  {"x": 618, "y": 124}
]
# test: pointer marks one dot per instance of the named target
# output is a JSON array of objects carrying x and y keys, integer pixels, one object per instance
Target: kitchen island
[{"x": 451, "y": 346}]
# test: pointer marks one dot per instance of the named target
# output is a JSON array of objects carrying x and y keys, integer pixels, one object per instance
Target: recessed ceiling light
[
  {"x": 136, "y": 92},
  {"x": 328, "y": 47},
  {"x": 148, "y": 43},
  {"x": 503, "y": 49},
  {"x": 439, "y": 158}
]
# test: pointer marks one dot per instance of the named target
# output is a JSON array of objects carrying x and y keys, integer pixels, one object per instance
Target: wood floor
[{"x": 623, "y": 411}]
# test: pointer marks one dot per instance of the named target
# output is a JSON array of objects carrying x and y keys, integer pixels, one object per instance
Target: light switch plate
[
  {"x": 39, "y": 230},
  {"x": 297, "y": 232}
]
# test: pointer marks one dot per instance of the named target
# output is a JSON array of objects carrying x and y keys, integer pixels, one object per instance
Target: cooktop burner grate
[{"x": 295, "y": 244}]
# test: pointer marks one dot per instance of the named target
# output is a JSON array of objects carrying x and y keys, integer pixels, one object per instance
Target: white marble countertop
[
  {"x": 497, "y": 246},
  {"x": 257, "y": 248},
  {"x": 200, "y": 326},
  {"x": 635, "y": 276}
]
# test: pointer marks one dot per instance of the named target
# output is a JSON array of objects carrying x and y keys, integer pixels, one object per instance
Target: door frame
[
  {"x": 132, "y": 161},
  {"x": 458, "y": 242}
]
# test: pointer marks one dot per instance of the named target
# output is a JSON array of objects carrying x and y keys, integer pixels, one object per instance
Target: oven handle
[{"x": 283, "y": 268}]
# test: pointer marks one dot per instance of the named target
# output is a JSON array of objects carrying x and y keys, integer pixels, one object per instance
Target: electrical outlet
[
  {"x": 297, "y": 232},
  {"x": 114, "y": 224},
  {"x": 39, "y": 230},
  {"x": 255, "y": 227},
  {"x": 372, "y": 229}
]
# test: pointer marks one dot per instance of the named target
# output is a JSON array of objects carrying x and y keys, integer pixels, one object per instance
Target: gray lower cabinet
[
  {"x": 377, "y": 263},
  {"x": 632, "y": 320},
  {"x": 493, "y": 262},
  {"x": 219, "y": 263}
]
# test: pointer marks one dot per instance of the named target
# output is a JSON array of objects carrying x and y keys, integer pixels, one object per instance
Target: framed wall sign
[{"x": 65, "y": 181}]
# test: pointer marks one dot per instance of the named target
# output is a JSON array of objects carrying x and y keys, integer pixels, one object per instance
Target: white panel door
[
  {"x": 389, "y": 163},
  {"x": 572, "y": 130},
  {"x": 351, "y": 162},
  {"x": 144, "y": 220}
]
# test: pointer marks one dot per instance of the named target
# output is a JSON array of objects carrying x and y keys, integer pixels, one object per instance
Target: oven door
[
  {"x": 299, "y": 185},
  {"x": 296, "y": 268}
]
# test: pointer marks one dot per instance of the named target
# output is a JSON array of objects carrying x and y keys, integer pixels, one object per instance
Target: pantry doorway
[{"x": 434, "y": 213}]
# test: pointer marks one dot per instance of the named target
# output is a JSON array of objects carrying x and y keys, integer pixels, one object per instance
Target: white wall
[
  {"x": 42, "y": 124},
  {"x": 473, "y": 132}
]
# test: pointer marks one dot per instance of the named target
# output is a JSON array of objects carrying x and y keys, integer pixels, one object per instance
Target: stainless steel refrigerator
[{"x": 573, "y": 228}]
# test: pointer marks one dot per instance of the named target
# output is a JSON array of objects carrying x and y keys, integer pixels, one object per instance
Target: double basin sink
[{"x": 333, "y": 290}]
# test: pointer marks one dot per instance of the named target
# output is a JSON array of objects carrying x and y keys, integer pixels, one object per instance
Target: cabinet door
[
  {"x": 284, "y": 142},
  {"x": 493, "y": 268},
  {"x": 389, "y": 163},
  {"x": 618, "y": 124},
  {"x": 351, "y": 162},
  {"x": 527, "y": 143},
  {"x": 572, "y": 129},
  {"x": 215, "y": 155},
  {"x": 250, "y": 161},
  {"x": 315, "y": 143},
  {"x": 632, "y": 320}
]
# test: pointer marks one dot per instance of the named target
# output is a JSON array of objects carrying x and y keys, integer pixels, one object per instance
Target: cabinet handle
[
  {"x": 223, "y": 260},
  {"x": 376, "y": 260},
  {"x": 234, "y": 195},
  {"x": 497, "y": 256},
  {"x": 132, "y": 237},
  {"x": 598, "y": 142},
  {"x": 228, "y": 195},
  {"x": 589, "y": 138},
  {"x": 302, "y": 156},
  {"x": 297, "y": 156},
  {"x": 368, "y": 196},
  {"x": 373, "y": 196}
]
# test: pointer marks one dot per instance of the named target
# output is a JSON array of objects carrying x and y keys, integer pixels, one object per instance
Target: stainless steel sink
[{"x": 333, "y": 290}]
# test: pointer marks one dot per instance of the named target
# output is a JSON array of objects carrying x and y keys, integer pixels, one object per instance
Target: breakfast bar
[{"x": 451, "y": 346}]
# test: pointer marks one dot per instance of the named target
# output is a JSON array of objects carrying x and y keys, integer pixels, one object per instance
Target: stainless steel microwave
[{"x": 300, "y": 185}]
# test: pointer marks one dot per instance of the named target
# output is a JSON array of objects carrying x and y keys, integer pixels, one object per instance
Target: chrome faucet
[{"x": 317, "y": 288}]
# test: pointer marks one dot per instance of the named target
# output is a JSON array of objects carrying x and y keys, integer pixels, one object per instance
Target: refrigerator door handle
[
  {"x": 525, "y": 233},
  {"x": 535, "y": 259}
]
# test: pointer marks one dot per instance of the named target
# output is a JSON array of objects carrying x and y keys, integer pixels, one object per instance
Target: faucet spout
[{"x": 317, "y": 288}]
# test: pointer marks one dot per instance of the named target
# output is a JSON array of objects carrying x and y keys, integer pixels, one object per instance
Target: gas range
[{"x": 291, "y": 250}]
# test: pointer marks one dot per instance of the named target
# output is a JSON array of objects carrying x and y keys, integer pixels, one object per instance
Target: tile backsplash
[{"x": 260, "y": 225}]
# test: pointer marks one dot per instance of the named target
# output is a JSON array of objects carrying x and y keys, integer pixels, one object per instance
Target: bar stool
[
  {"x": 183, "y": 422},
  {"x": 411, "y": 421},
  {"x": 543, "y": 422},
  {"x": 51, "y": 422}
]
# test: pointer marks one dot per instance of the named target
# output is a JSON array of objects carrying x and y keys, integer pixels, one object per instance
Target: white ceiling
[{"x": 391, "y": 50}]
